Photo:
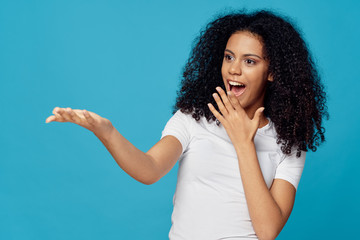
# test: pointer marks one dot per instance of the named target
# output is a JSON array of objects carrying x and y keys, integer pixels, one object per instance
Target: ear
[{"x": 270, "y": 77}]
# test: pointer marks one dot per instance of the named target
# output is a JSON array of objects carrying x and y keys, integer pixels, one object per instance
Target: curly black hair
[{"x": 295, "y": 100}]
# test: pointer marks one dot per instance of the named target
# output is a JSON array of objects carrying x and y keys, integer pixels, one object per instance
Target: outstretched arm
[
  {"x": 146, "y": 167},
  {"x": 269, "y": 209}
]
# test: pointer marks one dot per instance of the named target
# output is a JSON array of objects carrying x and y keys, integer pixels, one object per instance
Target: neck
[{"x": 263, "y": 121}]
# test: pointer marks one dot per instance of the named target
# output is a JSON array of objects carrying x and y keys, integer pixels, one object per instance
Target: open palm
[{"x": 89, "y": 120}]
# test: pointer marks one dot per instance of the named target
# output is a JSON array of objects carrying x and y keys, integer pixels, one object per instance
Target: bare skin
[
  {"x": 269, "y": 209},
  {"x": 240, "y": 115},
  {"x": 146, "y": 167}
]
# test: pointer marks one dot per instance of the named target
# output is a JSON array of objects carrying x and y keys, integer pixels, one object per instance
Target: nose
[{"x": 235, "y": 68}]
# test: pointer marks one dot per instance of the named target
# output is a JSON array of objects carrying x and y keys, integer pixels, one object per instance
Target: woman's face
[{"x": 245, "y": 70}]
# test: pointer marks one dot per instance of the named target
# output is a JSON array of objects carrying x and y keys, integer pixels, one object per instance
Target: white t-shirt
[{"x": 209, "y": 202}]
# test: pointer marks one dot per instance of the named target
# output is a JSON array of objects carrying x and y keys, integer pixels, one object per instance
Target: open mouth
[{"x": 237, "y": 88}]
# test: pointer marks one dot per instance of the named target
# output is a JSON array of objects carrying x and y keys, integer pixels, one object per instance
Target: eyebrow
[{"x": 245, "y": 55}]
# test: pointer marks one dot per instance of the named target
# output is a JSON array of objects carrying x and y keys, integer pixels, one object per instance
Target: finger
[
  {"x": 64, "y": 114},
  {"x": 220, "y": 104},
  {"x": 235, "y": 102},
  {"x": 88, "y": 117},
  {"x": 50, "y": 119},
  {"x": 225, "y": 99},
  {"x": 55, "y": 110},
  {"x": 74, "y": 117},
  {"x": 58, "y": 117},
  {"x": 257, "y": 115},
  {"x": 216, "y": 113}
]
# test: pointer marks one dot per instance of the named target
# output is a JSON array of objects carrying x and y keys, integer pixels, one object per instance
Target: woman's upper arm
[
  {"x": 283, "y": 193},
  {"x": 165, "y": 154},
  {"x": 286, "y": 181}
]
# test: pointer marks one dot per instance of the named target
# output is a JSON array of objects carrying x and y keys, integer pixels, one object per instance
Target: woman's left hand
[{"x": 239, "y": 127}]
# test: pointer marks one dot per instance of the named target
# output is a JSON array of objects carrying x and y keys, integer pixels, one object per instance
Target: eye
[
  {"x": 228, "y": 57},
  {"x": 249, "y": 61}
]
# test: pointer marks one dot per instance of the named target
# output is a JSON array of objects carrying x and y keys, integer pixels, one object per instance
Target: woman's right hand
[{"x": 100, "y": 126}]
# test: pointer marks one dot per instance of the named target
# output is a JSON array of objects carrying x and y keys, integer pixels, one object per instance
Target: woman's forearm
[
  {"x": 144, "y": 167},
  {"x": 265, "y": 213},
  {"x": 133, "y": 161},
  {"x": 268, "y": 209}
]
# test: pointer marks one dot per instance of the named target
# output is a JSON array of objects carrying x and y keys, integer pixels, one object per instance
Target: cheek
[{"x": 257, "y": 77}]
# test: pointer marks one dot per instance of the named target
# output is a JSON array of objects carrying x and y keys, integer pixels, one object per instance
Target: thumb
[{"x": 257, "y": 115}]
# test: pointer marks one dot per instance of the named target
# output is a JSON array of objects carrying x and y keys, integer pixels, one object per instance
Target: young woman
[{"x": 250, "y": 105}]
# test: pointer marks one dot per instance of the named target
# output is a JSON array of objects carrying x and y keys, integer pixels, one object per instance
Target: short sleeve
[
  {"x": 291, "y": 168},
  {"x": 179, "y": 127}
]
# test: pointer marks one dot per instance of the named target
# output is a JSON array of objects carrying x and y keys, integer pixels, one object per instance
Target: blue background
[{"x": 123, "y": 60}]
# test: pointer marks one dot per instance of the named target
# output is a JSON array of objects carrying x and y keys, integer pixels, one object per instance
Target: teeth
[{"x": 236, "y": 84}]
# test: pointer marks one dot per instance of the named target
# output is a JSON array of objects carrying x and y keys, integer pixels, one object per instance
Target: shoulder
[
  {"x": 181, "y": 116},
  {"x": 180, "y": 126},
  {"x": 190, "y": 120}
]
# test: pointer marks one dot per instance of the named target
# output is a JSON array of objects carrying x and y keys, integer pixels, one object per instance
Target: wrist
[
  {"x": 245, "y": 146},
  {"x": 105, "y": 134}
]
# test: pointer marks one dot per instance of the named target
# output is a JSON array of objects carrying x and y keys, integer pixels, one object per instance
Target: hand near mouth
[{"x": 239, "y": 127}]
